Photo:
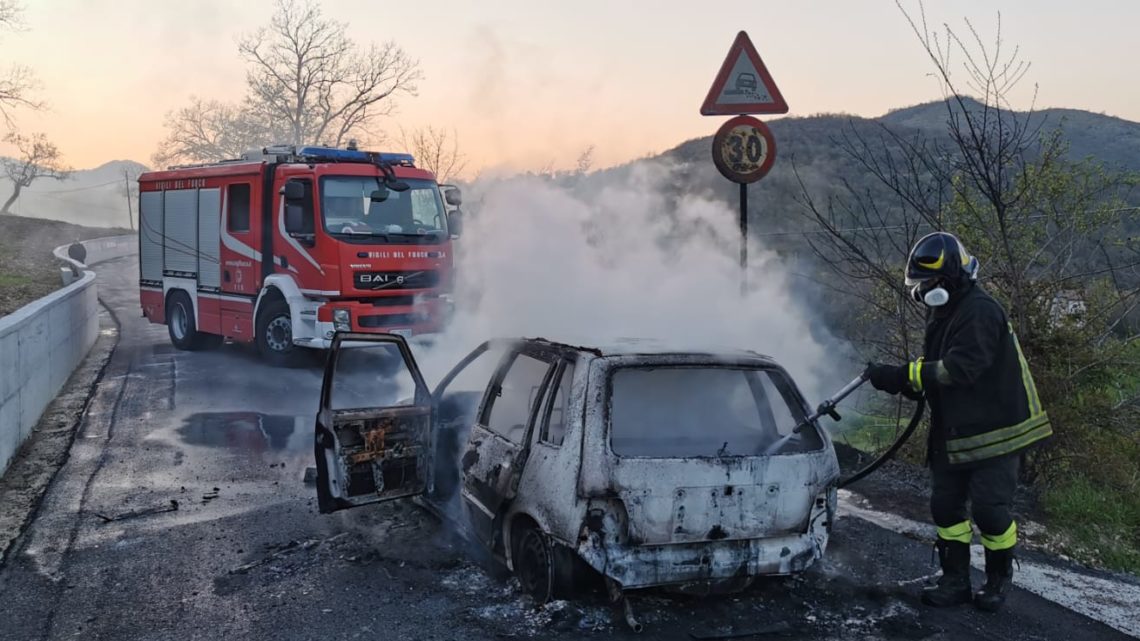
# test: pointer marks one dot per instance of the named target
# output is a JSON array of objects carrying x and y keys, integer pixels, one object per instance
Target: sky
[{"x": 531, "y": 84}]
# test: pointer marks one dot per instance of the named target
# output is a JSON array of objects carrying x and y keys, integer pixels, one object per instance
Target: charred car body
[{"x": 651, "y": 467}]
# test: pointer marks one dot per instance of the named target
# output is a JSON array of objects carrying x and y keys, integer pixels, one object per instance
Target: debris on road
[
  {"x": 288, "y": 549},
  {"x": 172, "y": 506},
  {"x": 782, "y": 627}
]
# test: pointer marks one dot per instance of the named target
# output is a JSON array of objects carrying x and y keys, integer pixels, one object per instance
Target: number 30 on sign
[{"x": 744, "y": 149}]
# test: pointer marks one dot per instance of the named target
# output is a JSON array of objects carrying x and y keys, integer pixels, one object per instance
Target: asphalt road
[{"x": 246, "y": 555}]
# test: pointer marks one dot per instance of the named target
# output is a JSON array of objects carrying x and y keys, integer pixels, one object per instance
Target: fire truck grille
[
  {"x": 391, "y": 320},
  {"x": 424, "y": 279},
  {"x": 393, "y": 301}
]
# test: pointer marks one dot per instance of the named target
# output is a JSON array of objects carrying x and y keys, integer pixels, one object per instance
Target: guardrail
[{"x": 43, "y": 342}]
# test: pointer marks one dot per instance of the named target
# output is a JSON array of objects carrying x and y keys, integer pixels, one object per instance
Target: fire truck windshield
[{"x": 348, "y": 209}]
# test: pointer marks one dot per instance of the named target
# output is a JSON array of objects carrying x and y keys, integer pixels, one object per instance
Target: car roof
[{"x": 646, "y": 347}]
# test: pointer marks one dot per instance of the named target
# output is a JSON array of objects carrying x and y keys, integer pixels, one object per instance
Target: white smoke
[
  {"x": 89, "y": 197},
  {"x": 620, "y": 257}
]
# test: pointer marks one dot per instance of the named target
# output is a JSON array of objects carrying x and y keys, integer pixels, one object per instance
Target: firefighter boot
[
  {"x": 954, "y": 585},
  {"x": 999, "y": 578}
]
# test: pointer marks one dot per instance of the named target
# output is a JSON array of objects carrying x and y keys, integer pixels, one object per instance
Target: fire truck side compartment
[{"x": 150, "y": 252}]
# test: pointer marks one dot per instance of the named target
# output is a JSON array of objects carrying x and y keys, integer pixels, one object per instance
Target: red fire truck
[{"x": 285, "y": 246}]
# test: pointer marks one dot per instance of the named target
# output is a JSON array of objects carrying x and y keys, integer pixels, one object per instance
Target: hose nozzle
[{"x": 827, "y": 408}]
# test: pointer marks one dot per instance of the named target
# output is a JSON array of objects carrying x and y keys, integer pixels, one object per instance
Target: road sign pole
[
  {"x": 743, "y": 239},
  {"x": 743, "y": 148}
]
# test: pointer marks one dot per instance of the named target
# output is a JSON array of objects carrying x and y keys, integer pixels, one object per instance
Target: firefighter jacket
[{"x": 983, "y": 403}]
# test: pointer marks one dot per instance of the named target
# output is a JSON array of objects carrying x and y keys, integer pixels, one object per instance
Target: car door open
[{"x": 373, "y": 429}]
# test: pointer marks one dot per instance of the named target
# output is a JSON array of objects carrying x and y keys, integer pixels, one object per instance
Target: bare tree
[
  {"x": 306, "y": 75},
  {"x": 585, "y": 161},
  {"x": 307, "y": 84},
  {"x": 17, "y": 84},
  {"x": 11, "y": 13},
  {"x": 17, "y": 89},
  {"x": 38, "y": 158},
  {"x": 209, "y": 130},
  {"x": 436, "y": 150}
]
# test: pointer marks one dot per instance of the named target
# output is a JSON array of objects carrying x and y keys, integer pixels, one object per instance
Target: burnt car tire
[{"x": 533, "y": 561}]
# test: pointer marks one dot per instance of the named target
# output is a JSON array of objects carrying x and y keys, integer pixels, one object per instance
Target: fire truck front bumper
[{"x": 421, "y": 321}]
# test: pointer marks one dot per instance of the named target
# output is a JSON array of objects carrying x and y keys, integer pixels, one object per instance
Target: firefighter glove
[{"x": 887, "y": 378}]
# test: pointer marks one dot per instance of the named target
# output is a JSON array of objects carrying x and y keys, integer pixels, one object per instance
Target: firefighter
[{"x": 984, "y": 411}]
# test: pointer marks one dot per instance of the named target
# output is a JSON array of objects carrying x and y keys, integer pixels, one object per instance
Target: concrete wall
[{"x": 43, "y": 342}]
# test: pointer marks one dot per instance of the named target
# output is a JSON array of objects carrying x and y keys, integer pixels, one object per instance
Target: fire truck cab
[{"x": 285, "y": 246}]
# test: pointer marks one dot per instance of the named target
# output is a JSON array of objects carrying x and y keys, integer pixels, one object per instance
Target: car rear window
[{"x": 671, "y": 412}]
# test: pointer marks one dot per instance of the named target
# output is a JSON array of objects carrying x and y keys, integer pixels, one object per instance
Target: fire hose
[{"x": 827, "y": 408}]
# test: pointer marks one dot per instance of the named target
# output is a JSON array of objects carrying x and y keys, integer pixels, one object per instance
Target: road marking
[{"x": 1108, "y": 601}]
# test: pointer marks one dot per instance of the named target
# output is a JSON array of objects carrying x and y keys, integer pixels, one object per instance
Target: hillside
[
  {"x": 1113, "y": 141},
  {"x": 810, "y": 146},
  {"x": 27, "y": 268}
]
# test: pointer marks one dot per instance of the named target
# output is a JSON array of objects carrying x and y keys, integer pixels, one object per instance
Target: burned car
[{"x": 647, "y": 466}]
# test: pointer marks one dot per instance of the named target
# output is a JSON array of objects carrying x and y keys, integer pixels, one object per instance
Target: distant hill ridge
[{"x": 1111, "y": 140}]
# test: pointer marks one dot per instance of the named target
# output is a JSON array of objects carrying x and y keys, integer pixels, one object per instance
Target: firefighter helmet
[{"x": 940, "y": 256}]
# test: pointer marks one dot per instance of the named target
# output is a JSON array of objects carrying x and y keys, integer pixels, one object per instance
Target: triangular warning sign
[{"x": 743, "y": 85}]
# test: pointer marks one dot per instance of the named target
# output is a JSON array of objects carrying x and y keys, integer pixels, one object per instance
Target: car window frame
[
  {"x": 419, "y": 398},
  {"x": 487, "y": 406},
  {"x": 441, "y": 388},
  {"x": 543, "y": 428}
]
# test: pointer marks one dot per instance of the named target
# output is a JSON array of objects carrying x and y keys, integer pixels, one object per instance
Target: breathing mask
[{"x": 931, "y": 294}]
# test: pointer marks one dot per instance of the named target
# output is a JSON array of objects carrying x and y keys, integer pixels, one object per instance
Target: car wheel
[
  {"x": 275, "y": 333},
  {"x": 533, "y": 562},
  {"x": 180, "y": 322}
]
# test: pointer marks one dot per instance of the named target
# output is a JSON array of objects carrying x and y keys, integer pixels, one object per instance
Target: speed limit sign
[{"x": 744, "y": 149}]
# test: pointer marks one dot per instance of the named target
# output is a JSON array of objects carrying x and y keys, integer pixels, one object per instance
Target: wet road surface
[{"x": 182, "y": 514}]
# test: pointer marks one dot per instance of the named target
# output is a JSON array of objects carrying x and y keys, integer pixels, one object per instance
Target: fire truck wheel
[
  {"x": 180, "y": 323},
  {"x": 275, "y": 333}
]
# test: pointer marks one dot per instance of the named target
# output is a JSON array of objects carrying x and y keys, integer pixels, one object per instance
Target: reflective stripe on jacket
[{"x": 981, "y": 393}]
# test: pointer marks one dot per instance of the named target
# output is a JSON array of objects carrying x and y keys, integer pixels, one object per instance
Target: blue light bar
[
  {"x": 332, "y": 154},
  {"x": 395, "y": 159}
]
